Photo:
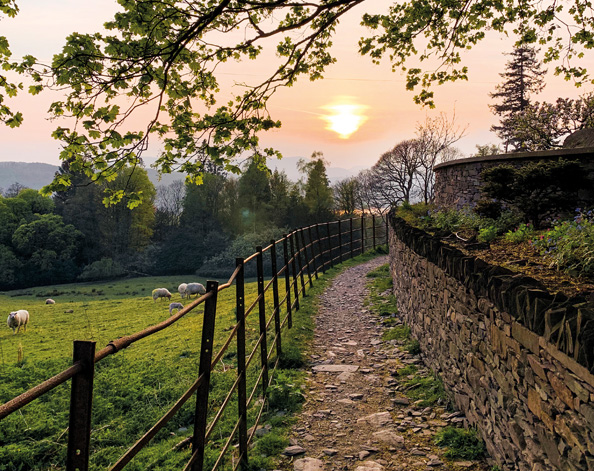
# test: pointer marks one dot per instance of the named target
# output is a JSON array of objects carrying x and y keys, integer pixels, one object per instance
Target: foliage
[
  {"x": 154, "y": 72},
  {"x": 487, "y": 149},
  {"x": 428, "y": 390},
  {"x": 523, "y": 77},
  {"x": 537, "y": 188},
  {"x": 318, "y": 194},
  {"x": 413, "y": 347},
  {"x": 104, "y": 269},
  {"x": 400, "y": 332},
  {"x": 541, "y": 126},
  {"x": 461, "y": 443},
  {"x": 487, "y": 234},
  {"x": 283, "y": 395},
  {"x": 520, "y": 234},
  {"x": 345, "y": 196},
  {"x": 223, "y": 264},
  {"x": 418, "y": 214},
  {"x": 569, "y": 245}
]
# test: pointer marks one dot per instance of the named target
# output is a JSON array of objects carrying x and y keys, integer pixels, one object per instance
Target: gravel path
[{"x": 354, "y": 418}]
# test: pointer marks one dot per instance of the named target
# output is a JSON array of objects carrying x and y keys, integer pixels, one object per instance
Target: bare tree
[
  {"x": 170, "y": 205},
  {"x": 396, "y": 169},
  {"x": 345, "y": 195},
  {"x": 435, "y": 138},
  {"x": 13, "y": 190}
]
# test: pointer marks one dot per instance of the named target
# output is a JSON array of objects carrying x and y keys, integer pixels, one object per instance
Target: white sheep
[
  {"x": 182, "y": 289},
  {"x": 161, "y": 293},
  {"x": 50, "y": 301},
  {"x": 177, "y": 306},
  {"x": 17, "y": 319},
  {"x": 195, "y": 288}
]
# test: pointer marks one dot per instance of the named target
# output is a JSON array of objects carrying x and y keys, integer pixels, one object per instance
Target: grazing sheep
[
  {"x": 177, "y": 306},
  {"x": 161, "y": 293},
  {"x": 50, "y": 301},
  {"x": 182, "y": 289},
  {"x": 195, "y": 288},
  {"x": 17, "y": 319}
]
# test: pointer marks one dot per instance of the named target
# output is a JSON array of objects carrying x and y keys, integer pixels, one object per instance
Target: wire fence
[{"x": 303, "y": 255}]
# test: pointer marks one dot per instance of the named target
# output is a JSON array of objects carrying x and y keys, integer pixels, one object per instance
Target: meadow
[{"x": 132, "y": 388}]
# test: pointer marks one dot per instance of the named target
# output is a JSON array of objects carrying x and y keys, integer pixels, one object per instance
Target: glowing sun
[{"x": 344, "y": 119}]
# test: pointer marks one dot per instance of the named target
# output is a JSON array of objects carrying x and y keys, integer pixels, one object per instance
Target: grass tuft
[{"x": 460, "y": 443}]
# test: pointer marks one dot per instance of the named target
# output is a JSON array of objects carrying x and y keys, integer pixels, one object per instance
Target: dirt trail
[{"x": 354, "y": 418}]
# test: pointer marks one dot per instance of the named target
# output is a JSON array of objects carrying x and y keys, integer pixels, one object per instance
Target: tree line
[{"x": 173, "y": 229}]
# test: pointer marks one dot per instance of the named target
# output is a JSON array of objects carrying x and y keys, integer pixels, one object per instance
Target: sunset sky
[{"x": 369, "y": 98}]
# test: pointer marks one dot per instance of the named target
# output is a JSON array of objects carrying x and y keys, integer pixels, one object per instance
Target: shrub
[
  {"x": 487, "y": 234},
  {"x": 243, "y": 246},
  {"x": 103, "y": 269},
  {"x": 570, "y": 244},
  {"x": 522, "y": 233},
  {"x": 461, "y": 443},
  {"x": 537, "y": 188}
]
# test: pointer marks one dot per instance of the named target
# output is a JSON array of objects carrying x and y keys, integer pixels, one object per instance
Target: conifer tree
[{"x": 523, "y": 77}]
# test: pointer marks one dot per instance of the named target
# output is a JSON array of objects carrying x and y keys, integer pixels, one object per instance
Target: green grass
[
  {"x": 428, "y": 390},
  {"x": 460, "y": 443},
  {"x": 136, "y": 386},
  {"x": 400, "y": 332}
]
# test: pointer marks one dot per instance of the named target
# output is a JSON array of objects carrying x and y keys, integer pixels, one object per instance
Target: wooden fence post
[
  {"x": 287, "y": 279},
  {"x": 81, "y": 404},
  {"x": 351, "y": 231},
  {"x": 320, "y": 247},
  {"x": 339, "y": 241},
  {"x": 313, "y": 252},
  {"x": 299, "y": 262},
  {"x": 294, "y": 266},
  {"x": 329, "y": 244},
  {"x": 277, "y": 322},
  {"x": 206, "y": 348},
  {"x": 373, "y": 229},
  {"x": 362, "y": 233},
  {"x": 307, "y": 260},
  {"x": 241, "y": 373},
  {"x": 262, "y": 318}
]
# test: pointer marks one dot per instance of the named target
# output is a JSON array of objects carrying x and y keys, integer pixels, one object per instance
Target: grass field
[{"x": 134, "y": 387}]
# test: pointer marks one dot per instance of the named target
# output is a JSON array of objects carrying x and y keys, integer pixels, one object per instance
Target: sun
[{"x": 344, "y": 119}]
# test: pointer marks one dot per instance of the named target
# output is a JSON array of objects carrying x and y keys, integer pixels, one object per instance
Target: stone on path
[
  {"x": 378, "y": 419},
  {"x": 369, "y": 466},
  {"x": 335, "y": 368},
  {"x": 308, "y": 464},
  {"x": 293, "y": 450},
  {"x": 390, "y": 438}
]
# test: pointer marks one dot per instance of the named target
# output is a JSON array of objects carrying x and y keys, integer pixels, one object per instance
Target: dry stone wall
[
  {"x": 458, "y": 183},
  {"x": 516, "y": 359}
]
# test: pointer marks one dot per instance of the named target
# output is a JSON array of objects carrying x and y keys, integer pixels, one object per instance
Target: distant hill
[{"x": 36, "y": 175}]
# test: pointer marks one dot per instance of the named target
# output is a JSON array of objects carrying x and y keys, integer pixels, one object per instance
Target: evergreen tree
[
  {"x": 523, "y": 76},
  {"x": 318, "y": 194},
  {"x": 255, "y": 194}
]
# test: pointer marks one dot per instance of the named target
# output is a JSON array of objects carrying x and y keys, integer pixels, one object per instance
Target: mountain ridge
[{"x": 37, "y": 174}]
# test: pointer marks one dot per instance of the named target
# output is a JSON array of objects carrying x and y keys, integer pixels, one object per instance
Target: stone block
[
  {"x": 537, "y": 367},
  {"x": 534, "y": 403},
  {"x": 525, "y": 337},
  {"x": 563, "y": 392},
  {"x": 574, "y": 384}
]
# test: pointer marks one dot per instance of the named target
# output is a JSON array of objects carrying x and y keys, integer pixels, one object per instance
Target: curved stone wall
[
  {"x": 517, "y": 360},
  {"x": 457, "y": 183}
]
